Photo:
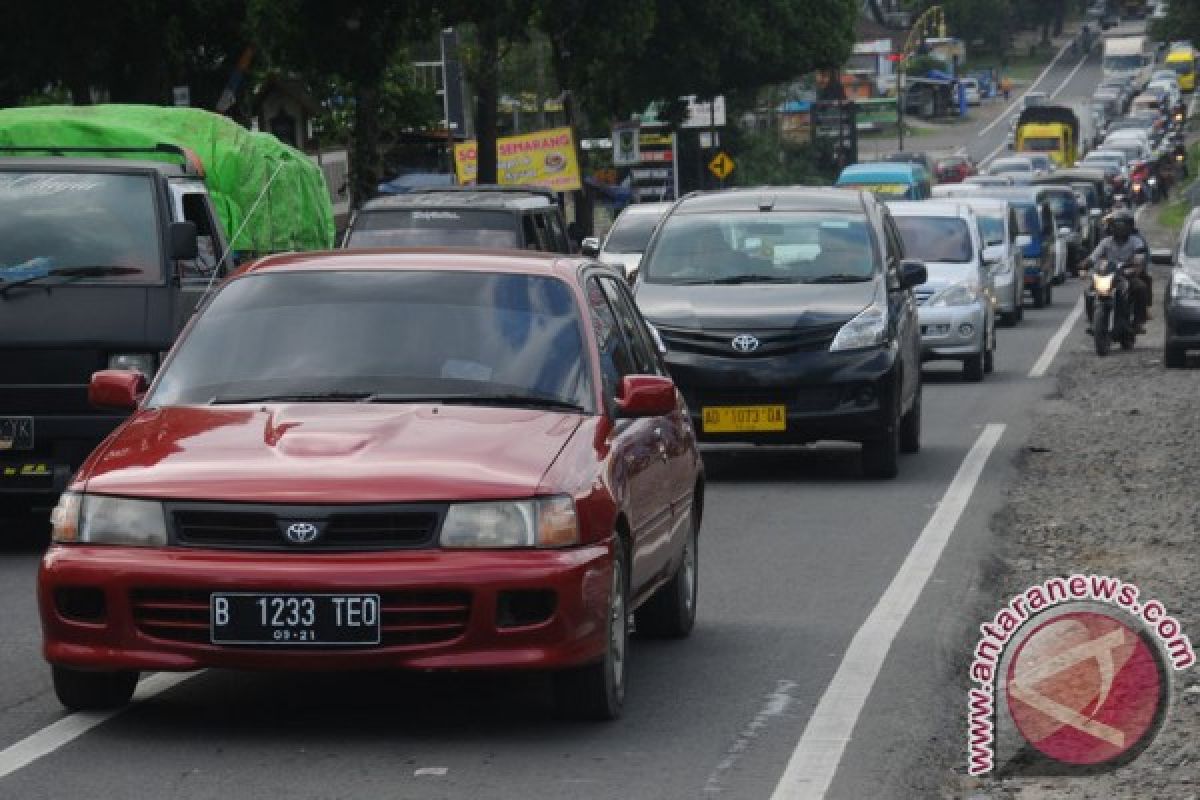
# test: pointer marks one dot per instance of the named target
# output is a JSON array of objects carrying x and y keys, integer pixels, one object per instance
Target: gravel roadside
[{"x": 1107, "y": 485}]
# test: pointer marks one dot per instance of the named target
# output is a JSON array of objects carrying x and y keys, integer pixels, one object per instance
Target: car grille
[
  {"x": 771, "y": 343},
  {"x": 800, "y": 399},
  {"x": 410, "y": 618},
  {"x": 261, "y": 528}
]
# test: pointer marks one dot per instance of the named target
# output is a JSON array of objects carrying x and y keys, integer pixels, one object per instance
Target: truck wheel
[
  {"x": 80, "y": 690},
  {"x": 597, "y": 691}
]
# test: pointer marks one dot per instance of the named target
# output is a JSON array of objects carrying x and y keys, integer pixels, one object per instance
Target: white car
[
  {"x": 971, "y": 90},
  {"x": 955, "y": 309},
  {"x": 1013, "y": 165},
  {"x": 627, "y": 239},
  {"x": 998, "y": 232}
]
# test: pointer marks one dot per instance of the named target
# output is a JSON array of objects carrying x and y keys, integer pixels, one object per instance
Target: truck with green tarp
[{"x": 115, "y": 221}]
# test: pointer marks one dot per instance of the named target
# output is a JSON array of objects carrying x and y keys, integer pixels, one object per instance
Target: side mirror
[
  {"x": 184, "y": 245},
  {"x": 590, "y": 246},
  {"x": 1162, "y": 256},
  {"x": 993, "y": 254},
  {"x": 912, "y": 273},
  {"x": 1023, "y": 240},
  {"x": 1064, "y": 231},
  {"x": 116, "y": 389},
  {"x": 646, "y": 396}
]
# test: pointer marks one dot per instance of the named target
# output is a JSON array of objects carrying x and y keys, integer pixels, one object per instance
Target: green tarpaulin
[{"x": 294, "y": 213}]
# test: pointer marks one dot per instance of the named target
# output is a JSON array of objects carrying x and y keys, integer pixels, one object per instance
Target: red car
[
  {"x": 372, "y": 459},
  {"x": 953, "y": 169}
]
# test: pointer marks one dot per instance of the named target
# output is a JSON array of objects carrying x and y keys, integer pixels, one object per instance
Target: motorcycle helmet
[{"x": 1122, "y": 224}]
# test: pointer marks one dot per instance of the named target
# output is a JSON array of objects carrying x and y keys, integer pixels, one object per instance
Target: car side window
[
  {"x": 558, "y": 234},
  {"x": 196, "y": 210},
  {"x": 533, "y": 237},
  {"x": 640, "y": 348},
  {"x": 615, "y": 359}
]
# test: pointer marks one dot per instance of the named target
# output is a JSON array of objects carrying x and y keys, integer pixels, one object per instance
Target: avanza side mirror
[
  {"x": 646, "y": 396},
  {"x": 993, "y": 254},
  {"x": 912, "y": 273},
  {"x": 116, "y": 389},
  {"x": 184, "y": 243},
  {"x": 590, "y": 246}
]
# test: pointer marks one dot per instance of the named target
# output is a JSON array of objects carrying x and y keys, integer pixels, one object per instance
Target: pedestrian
[{"x": 1006, "y": 87}]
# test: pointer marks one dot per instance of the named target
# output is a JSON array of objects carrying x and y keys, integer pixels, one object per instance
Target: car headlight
[
  {"x": 868, "y": 329},
  {"x": 145, "y": 363},
  {"x": 541, "y": 522},
  {"x": 960, "y": 294},
  {"x": 99, "y": 519},
  {"x": 1184, "y": 289}
]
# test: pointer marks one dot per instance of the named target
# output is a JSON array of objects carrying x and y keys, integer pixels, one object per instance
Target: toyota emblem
[
  {"x": 745, "y": 343},
  {"x": 301, "y": 532}
]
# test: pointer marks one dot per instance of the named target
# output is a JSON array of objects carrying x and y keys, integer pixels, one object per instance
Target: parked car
[
  {"x": 997, "y": 221},
  {"x": 438, "y": 461},
  {"x": 955, "y": 303},
  {"x": 953, "y": 169},
  {"x": 510, "y": 217},
  {"x": 788, "y": 317},
  {"x": 628, "y": 237},
  {"x": 1182, "y": 296}
]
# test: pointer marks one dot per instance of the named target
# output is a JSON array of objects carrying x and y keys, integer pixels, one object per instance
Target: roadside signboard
[
  {"x": 655, "y": 177},
  {"x": 625, "y": 144},
  {"x": 542, "y": 158}
]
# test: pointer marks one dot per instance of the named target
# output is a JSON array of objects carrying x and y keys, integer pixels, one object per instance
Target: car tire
[
  {"x": 973, "y": 368},
  {"x": 910, "y": 425},
  {"x": 1048, "y": 300},
  {"x": 881, "y": 457},
  {"x": 671, "y": 612},
  {"x": 1174, "y": 357},
  {"x": 1019, "y": 314},
  {"x": 596, "y": 691},
  {"x": 989, "y": 357},
  {"x": 81, "y": 690},
  {"x": 1039, "y": 296}
]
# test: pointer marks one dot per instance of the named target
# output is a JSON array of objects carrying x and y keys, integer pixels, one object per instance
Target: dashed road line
[{"x": 1056, "y": 341}]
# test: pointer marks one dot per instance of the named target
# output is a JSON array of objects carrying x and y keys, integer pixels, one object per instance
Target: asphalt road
[{"x": 796, "y": 552}]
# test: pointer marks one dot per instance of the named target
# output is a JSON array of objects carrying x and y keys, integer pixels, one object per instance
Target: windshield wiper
[
  {"x": 72, "y": 273},
  {"x": 735, "y": 279},
  {"x": 301, "y": 397},
  {"x": 516, "y": 400},
  {"x": 840, "y": 279}
]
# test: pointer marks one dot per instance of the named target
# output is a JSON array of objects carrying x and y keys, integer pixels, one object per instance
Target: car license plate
[
  {"x": 743, "y": 419},
  {"x": 16, "y": 433},
  {"x": 301, "y": 619}
]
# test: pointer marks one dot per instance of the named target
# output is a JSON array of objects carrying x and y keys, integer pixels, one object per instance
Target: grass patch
[{"x": 1173, "y": 214}]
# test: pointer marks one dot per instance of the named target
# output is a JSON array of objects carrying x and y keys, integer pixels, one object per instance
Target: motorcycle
[{"x": 1110, "y": 307}]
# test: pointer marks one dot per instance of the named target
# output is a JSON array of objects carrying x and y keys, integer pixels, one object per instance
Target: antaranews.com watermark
[{"x": 1087, "y": 684}]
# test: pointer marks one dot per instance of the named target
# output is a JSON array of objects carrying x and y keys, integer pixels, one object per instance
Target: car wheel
[
  {"x": 881, "y": 457},
  {"x": 910, "y": 425},
  {"x": 597, "y": 691},
  {"x": 1039, "y": 296},
  {"x": 1049, "y": 294},
  {"x": 80, "y": 690},
  {"x": 989, "y": 357},
  {"x": 671, "y": 612},
  {"x": 1019, "y": 314},
  {"x": 973, "y": 368},
  {"x": 1174, "y": 357}
]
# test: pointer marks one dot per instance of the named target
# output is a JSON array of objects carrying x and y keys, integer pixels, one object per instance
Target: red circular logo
[{"x": 1085, "y": 688}]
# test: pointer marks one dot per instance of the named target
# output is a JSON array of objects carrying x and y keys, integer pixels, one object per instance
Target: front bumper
[
  {"x": 828, "y": 395},
  {"x": 944, "y": 333},
  {"x": 421, "y": 628},
  {"x": 1183, "y": 326}
]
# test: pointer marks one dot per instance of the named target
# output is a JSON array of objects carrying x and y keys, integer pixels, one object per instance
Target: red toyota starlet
[{"x": 424, "y": 460}]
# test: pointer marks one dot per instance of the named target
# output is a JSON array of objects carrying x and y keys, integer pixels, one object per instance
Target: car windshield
[
  {"x": 1122, "y": 63},
  {"x": 434, "y": 227},
  {"x": 991, "y": 227},
  {"x": 55, "y": 222},
  {"x": 382, "y": 333},
  {"x": 631, "y": 232},
  {"x": 1183, "y": 67},
  {"x": 942, "y": 239},
  {"x": 754, "y": 247},
  {"x": 1062, "y": 206},
  {"x": 1000, "y": 167},
  {"x": 1041, "y": 144},
  {"x": 1027, "y": 220}
]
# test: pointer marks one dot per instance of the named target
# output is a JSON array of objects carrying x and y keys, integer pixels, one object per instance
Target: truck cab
[
  {"x": 102, "y": 262},
  {"x": 1053, "y": 130}
]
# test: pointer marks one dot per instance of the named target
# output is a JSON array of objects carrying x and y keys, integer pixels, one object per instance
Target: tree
[{"x": 353, "y": 42}]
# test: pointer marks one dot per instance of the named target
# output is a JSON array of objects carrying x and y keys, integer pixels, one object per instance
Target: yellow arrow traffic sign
[{"x": 721, "y": 166}]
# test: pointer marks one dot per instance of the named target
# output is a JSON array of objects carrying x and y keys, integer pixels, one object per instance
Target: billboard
[{"x": 542, "y": 158}]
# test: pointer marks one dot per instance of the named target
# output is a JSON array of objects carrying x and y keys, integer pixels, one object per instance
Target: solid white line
[
  {"x": 72, "y": 726},
  {"x": 1070, "y": 75},
  {"x": 815, "y": 760},
  {"x": 1032, "y": 86},
  {"x": 1047, "y": 358}
]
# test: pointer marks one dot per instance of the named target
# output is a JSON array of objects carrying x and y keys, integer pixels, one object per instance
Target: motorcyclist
[{"x": 1125, "y": 246}]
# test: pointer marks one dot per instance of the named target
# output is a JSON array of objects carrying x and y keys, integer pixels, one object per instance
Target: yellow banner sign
[{"x": 543, "y": 158}]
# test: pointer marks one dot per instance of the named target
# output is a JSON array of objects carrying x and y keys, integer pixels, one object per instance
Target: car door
[
  {"x": 637, "y": 468},
  {"x": 902, "y": 309}
]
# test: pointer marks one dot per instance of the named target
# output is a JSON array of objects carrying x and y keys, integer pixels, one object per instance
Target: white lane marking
[
  {"x": 72, "y": 726},
  {"x": 1012, "y": 106},
  {"x": 815, "y": 760},
  {"x": 437, "y": 772},
  {"x": 1052, "y": 347},
  {"x": 774, "y": 705}
]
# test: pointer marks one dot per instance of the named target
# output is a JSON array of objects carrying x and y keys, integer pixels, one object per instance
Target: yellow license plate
[{"x": 742, "y": 419}]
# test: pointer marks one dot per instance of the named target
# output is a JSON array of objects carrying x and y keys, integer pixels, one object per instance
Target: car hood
[
  {"x": 627, "y": 261},
  {"x": 943, "y": 274},
  {"x": 330, "y": 453},
  {"x": 759, "y": 306}
]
